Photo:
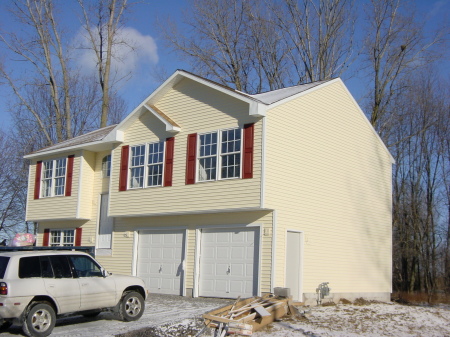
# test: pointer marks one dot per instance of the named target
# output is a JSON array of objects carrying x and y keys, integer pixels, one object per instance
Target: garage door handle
[
  {"x": 160, "y": 268},
  {"x": 229, "y": 269}
]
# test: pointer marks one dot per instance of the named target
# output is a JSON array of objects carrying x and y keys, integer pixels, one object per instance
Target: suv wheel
[
  {"x": 40, "y": 320},
  {"x": 131, "y": 306}
]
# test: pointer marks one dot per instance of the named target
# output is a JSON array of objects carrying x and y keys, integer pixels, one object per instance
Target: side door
[
  {"x": 96, "y": 291},
  {"x": 60, "y": 282},
  {"x": 106, "y": 224}
]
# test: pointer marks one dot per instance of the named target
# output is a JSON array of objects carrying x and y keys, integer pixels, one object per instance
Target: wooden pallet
[{"x": 248, "y": 315}]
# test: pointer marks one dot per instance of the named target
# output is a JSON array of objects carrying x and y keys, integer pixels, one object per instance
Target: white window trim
[
  {"x": 53, "y": 178},
  {"x": 61, "y": 244},
  {"x": 146, "y": 165},
  {"x": 218, "y": 155},
  {"x": 105, "y": 172}
]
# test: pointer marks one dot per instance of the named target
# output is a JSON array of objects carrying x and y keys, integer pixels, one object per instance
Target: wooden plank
[{"x": 217, "y": 318}]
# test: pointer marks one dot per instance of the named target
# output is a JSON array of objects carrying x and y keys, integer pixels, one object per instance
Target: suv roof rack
[{"x": 87, "y": 249}]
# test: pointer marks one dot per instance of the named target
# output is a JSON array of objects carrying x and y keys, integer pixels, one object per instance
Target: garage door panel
[
  {"x": 222, "y": 252},
  {"x": 228, "y": 262},
  {"x": 155, "y": 253},
  {"x": 238, "y": 252},
  {"x": 159, "y": 261}
]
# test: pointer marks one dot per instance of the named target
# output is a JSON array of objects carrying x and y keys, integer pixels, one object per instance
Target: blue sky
[{"x": 142, "y": 25}]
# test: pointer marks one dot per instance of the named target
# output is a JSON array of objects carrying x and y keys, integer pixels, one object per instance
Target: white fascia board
[
  {"x": 169, "y": 127},
  {"x": 114, "y": 136},
  {"x": 218, "y": 88},
  {"x": 257, "y": 109},
  {"x": 86, "y": 146}
]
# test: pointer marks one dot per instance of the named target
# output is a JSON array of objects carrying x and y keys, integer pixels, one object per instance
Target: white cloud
[{"x": 131, "y": 51}]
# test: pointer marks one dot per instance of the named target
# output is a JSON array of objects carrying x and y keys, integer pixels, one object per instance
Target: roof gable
[{"x": 259, "y": 104}]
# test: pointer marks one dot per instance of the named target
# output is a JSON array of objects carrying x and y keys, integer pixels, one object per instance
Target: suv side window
[
  {"x": 61, "y": 267},
  {"x": 3, "y": 264},
  {"x": 85, "y": 266},
  {"x": 29, "y": 267},
  {"x": 46, "y": 267}
]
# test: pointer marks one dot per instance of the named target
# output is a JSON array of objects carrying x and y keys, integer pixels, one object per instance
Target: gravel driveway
[{"x": 161, "y": 312}]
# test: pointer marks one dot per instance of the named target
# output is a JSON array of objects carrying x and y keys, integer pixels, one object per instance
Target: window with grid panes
[
  {"x": 146, "y": 165},
  {"x": 219, "y": 155},
  {"x": 62, "y": 237},
  {"x": 53, "y": 177}
]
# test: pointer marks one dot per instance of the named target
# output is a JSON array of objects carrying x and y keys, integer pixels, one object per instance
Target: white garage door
[
  {"x": 229, "y": 262},
  {"x": 160, "y": 261}
]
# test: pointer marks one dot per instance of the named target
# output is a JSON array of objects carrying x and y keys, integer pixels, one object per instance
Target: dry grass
[{"x": 420, "y": 298}]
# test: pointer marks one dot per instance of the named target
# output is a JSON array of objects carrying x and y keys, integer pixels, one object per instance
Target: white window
[
  {"x": 146, "y": 165},
  {"x": 53, "y": 177},
  {"x": 106, "y": 166},
  {"x": 219, "y": 155},
  {"x": 62, "y": 237}
]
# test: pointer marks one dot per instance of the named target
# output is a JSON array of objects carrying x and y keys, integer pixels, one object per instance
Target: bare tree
[
  {"x": 256, "y": 46},
  {"x": 320, "y": 33},
  {"x": 13, "y": 174},
  {"x": 419, "y": 173},
  {"x": 103, "y": 21},
  {"x": 43, "y": 50},
  {"x": 216, "y": 42},
  {"x": 395, "y": 45}
]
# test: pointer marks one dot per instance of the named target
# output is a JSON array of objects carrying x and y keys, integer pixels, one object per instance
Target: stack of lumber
[{"x": 248, "y": 315}]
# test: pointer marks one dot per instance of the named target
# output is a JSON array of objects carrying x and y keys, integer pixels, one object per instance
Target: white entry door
[
  {"x": 293, "y": 263},
  {"x": 106, "y": 224},
  {"x": 160, "y": 261},
  {"x": 229, "y": 262}
]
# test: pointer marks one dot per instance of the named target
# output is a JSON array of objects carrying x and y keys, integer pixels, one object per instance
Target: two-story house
[{"x": 204, "y": 190}]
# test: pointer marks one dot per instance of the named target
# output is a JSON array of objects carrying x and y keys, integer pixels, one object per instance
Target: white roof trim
[
  {"x": 79, "y": 147},
  {"x": 257, "y": 109},
  {"x": 169, "y": 126},
  {"x": 179, "y": 75}
]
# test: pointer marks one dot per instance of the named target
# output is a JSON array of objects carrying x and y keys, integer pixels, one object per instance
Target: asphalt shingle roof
[{"x": 90, "y": 137}]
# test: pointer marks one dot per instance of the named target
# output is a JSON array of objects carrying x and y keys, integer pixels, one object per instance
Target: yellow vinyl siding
[
  {"x": 328, "y": 176},
  {"x": 93, "y": 184},
  {"x": 119, "y": 262},
  {"x": 86, "y": 186},
  {"x": 196, "y": 109},
  {"x": 53, "y": 208}
]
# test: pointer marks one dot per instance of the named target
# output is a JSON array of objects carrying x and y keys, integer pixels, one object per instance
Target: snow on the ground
[
  {"x": 370, "y": 320},
  {"x": 343, "y": 320},
  {"x": 170, "y": 316}
]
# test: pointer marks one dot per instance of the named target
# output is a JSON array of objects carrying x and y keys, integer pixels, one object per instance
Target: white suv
[{"x": 35, "y": 286}]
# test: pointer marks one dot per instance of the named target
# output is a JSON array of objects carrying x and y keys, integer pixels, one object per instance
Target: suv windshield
[{"x": 3, "y": 264}]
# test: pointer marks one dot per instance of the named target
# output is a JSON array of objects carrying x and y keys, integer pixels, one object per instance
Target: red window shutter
[
  {"x": 123, "y": 177},
  {"x": 37, "y": 180},
  {"x": 46, "y": 238},
  {"x": 247, "y": 162},
  {"x": 78, "y": 233},
  {"x": 168, "y": 165},
  {"x": 70, "y": 160},
  {"x": 191, "y": 158}
]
